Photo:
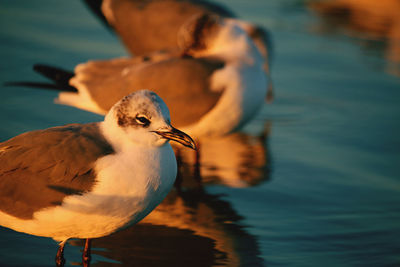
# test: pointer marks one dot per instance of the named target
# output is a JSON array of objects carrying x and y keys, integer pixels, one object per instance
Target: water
[{"x": 313, "y": 180}]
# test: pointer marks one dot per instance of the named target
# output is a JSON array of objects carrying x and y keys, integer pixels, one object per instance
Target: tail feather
[{"x": 59, "y": 77}]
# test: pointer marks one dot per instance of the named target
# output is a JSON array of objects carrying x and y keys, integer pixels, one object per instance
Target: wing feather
[
  {"x": 38, "y": 169},
  {"x": 183, "y": 83}
]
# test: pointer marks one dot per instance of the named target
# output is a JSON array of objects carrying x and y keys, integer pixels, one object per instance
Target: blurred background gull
[{"x": 373, "y": 23}]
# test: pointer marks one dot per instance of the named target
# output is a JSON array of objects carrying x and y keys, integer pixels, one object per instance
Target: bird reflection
[
  {"x": 373, "y": 21},
  {"x": 235, "y": 160},
  {"x": 193, "y": 227}
]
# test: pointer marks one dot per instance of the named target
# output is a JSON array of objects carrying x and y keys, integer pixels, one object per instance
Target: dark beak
[{"x": 178, "y": 136}]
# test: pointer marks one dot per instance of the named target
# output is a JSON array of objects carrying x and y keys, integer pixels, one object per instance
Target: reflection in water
[
  {"x": 189, "y": 229},
  {"x": 369, "y": 19},
  {"x": 236, "y": 160},
  {"x": 193, "y": 227}
]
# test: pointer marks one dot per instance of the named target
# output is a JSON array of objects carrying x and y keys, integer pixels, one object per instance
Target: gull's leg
[
  {"x": 60, "y": 261},
  {"x": 86, "y": 253}
]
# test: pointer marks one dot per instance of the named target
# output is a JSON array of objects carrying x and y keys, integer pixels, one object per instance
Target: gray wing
[
  {"x": 146, "y": 26},
  {"x": 38, "y": 169},
  {"x": 183, "y": 83}
]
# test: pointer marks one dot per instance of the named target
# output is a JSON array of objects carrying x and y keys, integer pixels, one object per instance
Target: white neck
[
  {"x": 244, "y": 52},
  {"x": 117, "y": 136},
  {"x": 244, "y": 84}
]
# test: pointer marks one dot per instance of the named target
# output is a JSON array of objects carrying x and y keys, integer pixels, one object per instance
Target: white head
[
  {"x": 142, "y": 118},
  {"x": 206, "y": 35},
  {"x": 227, "y": 39}
]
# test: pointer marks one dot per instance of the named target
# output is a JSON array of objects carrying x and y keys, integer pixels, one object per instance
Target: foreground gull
[
  {"x": 216, "y": 90},
  {"x": 148, "y": 26},
  {"x": 89, "y": 180}
]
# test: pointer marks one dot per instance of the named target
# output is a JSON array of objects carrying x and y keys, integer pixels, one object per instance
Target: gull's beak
[{"x": 178, "y": 136}]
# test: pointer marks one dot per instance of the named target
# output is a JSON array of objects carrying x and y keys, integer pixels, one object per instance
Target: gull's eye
[{"x": 142, "y": 120}]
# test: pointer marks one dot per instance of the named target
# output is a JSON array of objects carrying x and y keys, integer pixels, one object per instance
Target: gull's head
[
  {"x": 198, "y": 33},
  {"x": 206, "y": 35},
  {"x": 142, "y": 118}
]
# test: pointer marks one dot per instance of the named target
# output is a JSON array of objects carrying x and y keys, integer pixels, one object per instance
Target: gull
[
  {"x": 148, "y": 26},
  {"x": 89, "y": 180},
  {"x": 214, "y": 89}
]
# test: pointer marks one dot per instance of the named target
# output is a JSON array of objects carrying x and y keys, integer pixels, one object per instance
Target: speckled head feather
[
  {"x": 141, "y": 104},
  {"x": 139, "y": 118}
]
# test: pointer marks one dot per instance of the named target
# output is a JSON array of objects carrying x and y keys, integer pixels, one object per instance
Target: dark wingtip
[
  {"x": 59, "y": 77},
  {"x": 54, "y": 73},
  {"x": 95, "y": 7}
]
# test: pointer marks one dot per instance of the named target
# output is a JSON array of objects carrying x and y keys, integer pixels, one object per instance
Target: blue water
[{"x": 314, "y": 180}]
